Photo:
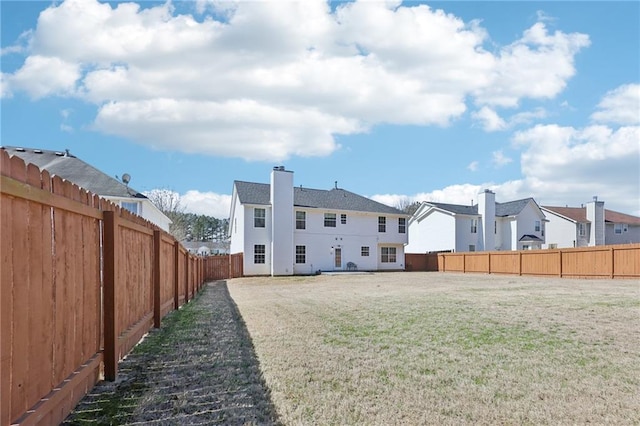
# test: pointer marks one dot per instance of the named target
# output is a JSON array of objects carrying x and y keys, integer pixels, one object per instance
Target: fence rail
[
  {"x": 614, "y": 261},
  {"x": 82, "y": 280}
]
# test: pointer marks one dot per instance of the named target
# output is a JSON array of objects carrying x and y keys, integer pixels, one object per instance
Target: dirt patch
[{"x": 198, "y": 368}]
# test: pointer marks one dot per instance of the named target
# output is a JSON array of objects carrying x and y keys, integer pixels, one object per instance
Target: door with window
[{"x": 337, "y": 257}]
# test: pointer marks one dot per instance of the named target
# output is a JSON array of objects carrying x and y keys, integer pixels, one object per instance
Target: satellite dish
[{"x": 126, "y": 178}]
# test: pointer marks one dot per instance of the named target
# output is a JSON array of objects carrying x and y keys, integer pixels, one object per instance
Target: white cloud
[
  {"x": 473, "y": 166},
  {"x": 268, "y": 80},
  {"x": 499, "y": 159},
  {"x": 620, "y": 106},
  {"x": 207, "y": 203},
  {"x": 489, "y": 119}
]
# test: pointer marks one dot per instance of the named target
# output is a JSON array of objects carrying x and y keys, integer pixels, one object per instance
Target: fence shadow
[{"x": 199, "y": 367}]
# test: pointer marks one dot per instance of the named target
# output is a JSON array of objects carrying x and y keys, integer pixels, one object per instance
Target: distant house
[
  {"x": 206, "y": 248},
  {"x": 589, "y": 225},
  {"x": 287, "y": 230},
  {"x": 69, "y": 167},
  {"x": 488, "y": 225}
]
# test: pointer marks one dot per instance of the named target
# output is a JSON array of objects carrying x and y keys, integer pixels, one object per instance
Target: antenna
[{"x": 126, "y": 178}]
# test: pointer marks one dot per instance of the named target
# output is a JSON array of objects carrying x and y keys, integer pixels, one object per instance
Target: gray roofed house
[
  {"x": 71, "y": 168},
  {"x": 336, "y": 198},
  {"x": 284, "y": 229},
  {"x": 487, "y": 225}
]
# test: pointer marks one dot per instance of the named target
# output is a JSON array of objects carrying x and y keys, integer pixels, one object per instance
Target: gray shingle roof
[
  {"x": 334, "y": 199},
  {"x": 510, "y": 208},
  {"x": 71, "y": 168}
]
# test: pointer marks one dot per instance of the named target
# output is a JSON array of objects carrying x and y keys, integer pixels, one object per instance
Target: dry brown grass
[{"x": 434, "y": 348}]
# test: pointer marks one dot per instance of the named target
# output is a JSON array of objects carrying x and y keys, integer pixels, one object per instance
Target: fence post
[
  {"x": 176, "y": 275},
  {"x": 110, "y": 245},
  {"x": 186, "y": 277},
  {"x": 489, "y": 261},
  {"x": 519, "y": 262},
  {"x": 612, "y": 264},
  {"x": 156, "y": 277},
  {"x": 560, "y": 253}
]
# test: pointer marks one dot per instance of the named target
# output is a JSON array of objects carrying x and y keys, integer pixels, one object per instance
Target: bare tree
[
  {"x": 170, "y": 204},
  {"x": 406, "y": 205}
]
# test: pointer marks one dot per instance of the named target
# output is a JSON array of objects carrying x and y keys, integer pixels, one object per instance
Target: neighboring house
[
  {"x": 486, "y": 226},
  {"x": 286, "y": 230},
  {"x": 590, "y": 225},
  {"x": 71, "y": 168},
  {"x": 206, "y": 248}
]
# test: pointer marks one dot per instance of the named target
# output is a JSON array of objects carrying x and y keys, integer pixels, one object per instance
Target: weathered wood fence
[
  {"x": 81, "y": 282},
  {"x": 615, "y": 261}
]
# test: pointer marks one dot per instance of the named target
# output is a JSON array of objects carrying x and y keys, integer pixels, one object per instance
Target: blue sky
[{"x": 399, "y": 102}]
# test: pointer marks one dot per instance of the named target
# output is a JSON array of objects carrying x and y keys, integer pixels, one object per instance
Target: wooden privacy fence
[
  {"x": 81, "y": 282},
  {"x": 615, "y": 261}
]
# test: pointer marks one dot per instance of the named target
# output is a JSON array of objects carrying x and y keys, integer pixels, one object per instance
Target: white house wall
[
  {"x": 255, "y": 236},
  {"x": 436, "y": 232},
  {"x": 236, "y": 228},
  {"x": 361, "y": 230},
  {"x": 560, "y": 231},
  {"x": 464, "y": 236},
  {"x": 525, "y": 224}
]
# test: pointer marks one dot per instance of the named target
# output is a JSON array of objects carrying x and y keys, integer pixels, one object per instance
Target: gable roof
[
  {"x": 334, "y": 199},
  {"x": 579, "y": 214},
  {"x": 510, "y": 208},
  {"x": 73, "y": 169}
]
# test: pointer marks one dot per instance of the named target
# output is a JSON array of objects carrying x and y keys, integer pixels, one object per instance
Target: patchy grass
[{"x": 430, "y": 348}]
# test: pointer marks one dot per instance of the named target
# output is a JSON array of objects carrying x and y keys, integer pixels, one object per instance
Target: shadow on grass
[{"x": 199, "y": 367}]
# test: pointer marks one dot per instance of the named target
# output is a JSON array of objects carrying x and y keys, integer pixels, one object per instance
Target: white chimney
[
  {"x": 281, "y": 197},
  {"x": 487, "y": 210},
  {"x": 595, "y": 215}
]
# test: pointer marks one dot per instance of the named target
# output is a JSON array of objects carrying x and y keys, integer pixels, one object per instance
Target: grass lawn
[{"x": 436, "y": 348}]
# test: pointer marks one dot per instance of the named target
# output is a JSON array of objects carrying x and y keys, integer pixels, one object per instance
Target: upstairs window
[
  {"x": 582, "y": 229},
  {"x": 329, "y": 220},
  {"x": 495, "y": 227},
  {"x": 132, "y": 207},
  {"x": 474, "y": 226},
  {"x": 259, "y": 218},
  {"x": 402, "y": 225},
  {"x": 301, "y": 220},
  {"x": 364, "y": 251},
  {"x": 537, "y": 226},
  {"x": 343, "y": 219},
  {"x": 382, "y": 224}
]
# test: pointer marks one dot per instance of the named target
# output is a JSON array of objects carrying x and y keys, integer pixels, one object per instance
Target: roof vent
[
  {"x": 279, "y": 168},
  {"x": 37, "y": 151},
  {"x": 59, "y": 154},
  {"x": 20, "y": 149}
]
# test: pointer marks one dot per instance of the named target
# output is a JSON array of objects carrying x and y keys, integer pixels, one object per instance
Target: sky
[{"x": 396, "y": 101}]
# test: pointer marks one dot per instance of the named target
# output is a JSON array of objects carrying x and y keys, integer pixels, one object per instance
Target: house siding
[{"x": 434, "y": 233}]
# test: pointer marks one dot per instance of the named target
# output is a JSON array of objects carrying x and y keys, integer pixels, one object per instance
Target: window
[
  {"x": 343, "y": 219},
  {"x": 132, "y": 207},
  {"x": 526, "y": 247},
  {"x": 553, "y": 245},
  {"x": 537, "y": 228},
  {"x": 617, "y": 228},
  {"x": 364, "y": 251},
  {"x": 259, "y": 218},
  {"x": 402, "y": 225},
  {"x": 388, "y": 254},
  {"x": 625, "y": 227},
  {"x": 329, "y": 220},
  {"x": 472, "y": 247},
  {"x": 258, "y": 253},
  {"x": 382, "y": 224},
  {"x": 495, "y": 227},
  {"x": 474, "y": 226},
  {"x": 582, "y": 229},
  {"x": 301, "y": 220},
  {"x": 301, "y": 254}
]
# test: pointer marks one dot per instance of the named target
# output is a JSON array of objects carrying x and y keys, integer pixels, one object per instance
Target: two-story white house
[
  {"x": 589, "y": 225},
  {"x": 287, "y": 230},
  {"x": 487, "y": 225},
  {"x": 69, "y": 167}
]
